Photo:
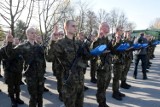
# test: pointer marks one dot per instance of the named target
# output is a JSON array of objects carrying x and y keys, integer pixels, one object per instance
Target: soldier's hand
[
  {"x": 55, "y": 34},
  {"x": 9, "y": 37}
]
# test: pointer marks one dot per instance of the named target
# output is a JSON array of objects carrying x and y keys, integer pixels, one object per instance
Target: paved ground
[{"x": 144, "y": 93}]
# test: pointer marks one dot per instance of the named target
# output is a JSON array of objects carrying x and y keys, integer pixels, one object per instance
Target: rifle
[{"x": 77, "y": 61}]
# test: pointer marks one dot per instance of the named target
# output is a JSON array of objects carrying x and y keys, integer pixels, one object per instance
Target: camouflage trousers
[
  {"x": 35, "y": 88},
  {"x": 117, "y": 71},
  {"x": 13, "y": 80},
  {"x": 93, "y": 68},
  {"x": 126, "y": 69},
  {"x": 60, "y": 79},
  {"x": 73, "y": 93},
  {"x": 53, "y": 69},
  {"x": 103, "y": 80}
]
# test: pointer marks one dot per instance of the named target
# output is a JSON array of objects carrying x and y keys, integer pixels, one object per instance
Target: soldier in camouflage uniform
[
  {"x": 104, "y": 65},
  {"x": 17, "y": 42},
  {"x": 118, "y": 67},
  {"x": 13, "y": 68},
  {"x": 127, "y": 61},
  {"x": 33, "y": 56},
  {"x": 66, "y": 49},
  {"x": 153, "y": 47},
  {"x": 81, "y": 37},
  {"x": 150, "y": 50},
  {"x": 93, "y": 69},
  {"x": 58, "y": 69},
  {"x": 93, "y": 60},
  {"x": 39, "y": 41}
]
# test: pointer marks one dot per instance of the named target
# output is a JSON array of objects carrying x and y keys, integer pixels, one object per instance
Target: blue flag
[{"x": 98, "y": 50}]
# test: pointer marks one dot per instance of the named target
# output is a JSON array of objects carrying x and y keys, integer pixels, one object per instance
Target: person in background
[
  {"x": 39, "y": 41},
  {"x": 141, "y": 55},
  {"x": 16, "y": 42},
  {"x": 118, "y": 64},
  {"x": 13, "y": 70},
  {"x": 127, "y": 61},
  {"x": 81, "y": 37}
]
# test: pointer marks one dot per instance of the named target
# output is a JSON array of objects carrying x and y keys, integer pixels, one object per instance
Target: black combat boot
[
  {"x": 103, "y": 105},
  {"x": 18, "y": 100},
  {"x": 145, "y": 76},
  {"x": 60, "y": 97},
  {"x": 85, "y": 88},
  {"x": 93, "y": 80},
  {"x": 45, "y": 89},
  {"x": 125, "y": 85},
  {"x": 13, "y": 101},
  {"x": 117, "y": 96},
  {"x": 22, "y": 83},
  {"x": 134, "y": 76},
  {"x": 147, "y": 70},
  {"x": 121, "y": 94}
]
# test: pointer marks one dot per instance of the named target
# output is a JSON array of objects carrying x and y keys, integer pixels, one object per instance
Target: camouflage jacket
[
  {"x": 104, "y": 58},
  {"x": 65, "y": 50},
  {"x": 5, "y": 57},
  {"x": 118, "y": 57},
  {"x": 128, "y": 54},
  {"x": 33, "y": 56}
]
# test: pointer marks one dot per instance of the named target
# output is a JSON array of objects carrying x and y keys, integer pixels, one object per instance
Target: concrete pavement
[{"x": 143, "y": 93}]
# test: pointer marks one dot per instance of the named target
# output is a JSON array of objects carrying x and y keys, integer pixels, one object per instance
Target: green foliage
[
  {"x": 152, "y": 32},
  {"x": 1, "y": 34},
  {"x": 20, "y": 29}
]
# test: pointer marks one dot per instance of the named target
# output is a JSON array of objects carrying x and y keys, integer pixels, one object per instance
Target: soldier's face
[
  {"x": 31, "y": 35},
  {"x": 72, "y": 28},
  {"x": 93, "y": 37},
  {"x": 81, "y": 36},
  {"x": 61, "y": 34},
  {"x": 120, "y": 32},
  {"x": 38, "y": 39},
  {"x": 105, "y": 29},
  {"x": 16, "y": 41},
  {"x": 128, "y": 35}
]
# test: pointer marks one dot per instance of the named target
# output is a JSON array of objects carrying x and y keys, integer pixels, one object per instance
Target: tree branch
[{"x": 5, "y": 18}]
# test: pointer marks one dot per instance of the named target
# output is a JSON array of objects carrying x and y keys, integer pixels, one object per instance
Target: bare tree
[
  {"x": 50, "y": 12},
  {"x": 155, "y": 24},
  {"x": 113, "y": 18},
  {"x": 122, "y": 19},
  {"x": 117, "y": 18},
  {"x": 91, "y": 22},
  {"x": 103, "y": 16},
  {"x": 82, "y": 15},
  {"x": 12, "y": 10},
  {"x": 130, "y": 26},
  {"x": 68, "y": 13}
]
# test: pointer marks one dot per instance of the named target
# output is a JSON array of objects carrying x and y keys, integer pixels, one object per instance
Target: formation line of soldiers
[{"x": 62, "y": 52}]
